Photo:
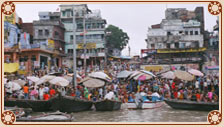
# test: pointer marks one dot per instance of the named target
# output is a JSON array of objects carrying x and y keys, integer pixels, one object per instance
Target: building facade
[
  {"x": 94, "y": 34},
  {"x": 178, "y": 39}
]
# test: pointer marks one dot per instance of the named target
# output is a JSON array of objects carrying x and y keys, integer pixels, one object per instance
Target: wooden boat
[
  {"x": 145, "y": 105},
  {"x": 49, "y": 117},
  {"x": 36, "y": 105},
  {"x": 107, "y": 105},
  {"x": 70, "y": 104},
  {"x": 192, "y": 105}
]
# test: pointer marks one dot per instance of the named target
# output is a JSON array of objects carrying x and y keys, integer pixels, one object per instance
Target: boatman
[{"x": 138, "y": 100}]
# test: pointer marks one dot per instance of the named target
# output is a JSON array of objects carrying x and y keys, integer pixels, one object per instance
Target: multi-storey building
[
  {"x": 178, "y": 39},
  {"x": 94, "y": 34}
]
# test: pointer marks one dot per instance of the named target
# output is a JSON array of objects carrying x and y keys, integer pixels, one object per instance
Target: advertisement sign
[
  {"x": 88, "y": 46},
  {"x": 50, "y": 43},
  {"x": 36, "y": 64}
]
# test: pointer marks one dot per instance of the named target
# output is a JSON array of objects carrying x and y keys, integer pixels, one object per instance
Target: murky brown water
[{"x": 163, "y": 114}]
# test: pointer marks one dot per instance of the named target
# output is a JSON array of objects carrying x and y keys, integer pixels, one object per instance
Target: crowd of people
[{"x": 202, "y": 89}]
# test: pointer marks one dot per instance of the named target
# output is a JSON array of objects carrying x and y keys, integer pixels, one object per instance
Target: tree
[{"x": 116, "y": 38}]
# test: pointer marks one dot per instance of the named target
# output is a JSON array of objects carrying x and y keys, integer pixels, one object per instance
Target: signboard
[
  {"x": 10, "y": 18},
  {"x": 50, "y": 43},
  {"x": 36, "y": 64},
  {"x": 88, "y": 46}
]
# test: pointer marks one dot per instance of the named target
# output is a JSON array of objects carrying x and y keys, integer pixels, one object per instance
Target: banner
[
  {"x": 11, "y": 67},
  {"x": 88, "y": 46}
]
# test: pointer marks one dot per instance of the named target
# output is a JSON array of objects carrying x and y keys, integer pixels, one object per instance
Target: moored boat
[
  {"x": 107, "y": 105},
  {"x": 70, "y": 104},
  {"x": 145, "y": 105},
  {"x": 192, "y": 105},
  {"x": 36, "y": 105}
]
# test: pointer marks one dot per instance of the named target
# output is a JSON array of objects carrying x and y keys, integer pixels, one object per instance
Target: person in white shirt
[
  {"x": 110, "y": 95},
  {"x": 9, "y": 86},
  {"x": 41, "y": 92},
  {"x": 197, "y": 84}
]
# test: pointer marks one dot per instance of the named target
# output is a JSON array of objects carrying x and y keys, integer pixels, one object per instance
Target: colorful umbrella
[
  {"x": 100, "y": 75},
  {"x": 94, "y": 83},
  {"x": 44, "y": 79},
  {"x": 148, "y": 72},
  {"x": 196, "y": 72}
]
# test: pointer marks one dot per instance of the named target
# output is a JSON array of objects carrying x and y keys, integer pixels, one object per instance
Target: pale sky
[{"x": 132, "y": 18}]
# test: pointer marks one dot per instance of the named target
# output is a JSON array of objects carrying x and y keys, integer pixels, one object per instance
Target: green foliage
[{"x": 115, "y": 37}]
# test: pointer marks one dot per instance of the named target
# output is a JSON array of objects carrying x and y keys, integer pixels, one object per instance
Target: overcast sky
[{"x": 132, "y": 18}]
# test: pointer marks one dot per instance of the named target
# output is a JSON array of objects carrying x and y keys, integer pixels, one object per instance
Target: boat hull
[
  {"x": 70, "y": 104},
  {"x": 146, "y": 105},
  {"x": 36, "y": 105},
  {"x": 107, "y": 105},
  {"x": 192, "y": 105}
]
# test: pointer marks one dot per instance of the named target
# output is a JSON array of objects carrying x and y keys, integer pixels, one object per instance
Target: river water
[{"x": 162, "y": 114}]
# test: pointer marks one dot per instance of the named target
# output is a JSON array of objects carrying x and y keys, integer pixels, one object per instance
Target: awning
[
  {"x": 212, "y": 67},
  {"x": 11, "y": 67}
]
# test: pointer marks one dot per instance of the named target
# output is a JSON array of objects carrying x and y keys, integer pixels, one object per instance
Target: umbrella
[
  {"x": 20, "y": 82},
  {"x": 33, "y": 78},
  {"x": 94, "y": 83},
  {"x": 100, "y": 75},
  {"x": 44, "y": 79},
  {"x": 59, "y": 81},
  {"x": 195, "y": 72},
  {"x": 85, "y": 79},
  {"x": 69, "y": 78},
  {"x": 148, "y": 72},
  {"x": 183, "y": 75},
  {"x": 77, "y": 75},
  {"x": 134, "y": 73},
  {"x": 168, "y": 75},
  {"x": 123, "y": 74},
  {"x": 15, "y": 86},
  {"x": 143, "y": 77}
]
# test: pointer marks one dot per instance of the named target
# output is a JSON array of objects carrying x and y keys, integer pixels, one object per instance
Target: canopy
[
  {"x": 94, "y": 83},
  {"x": 212, "y": 67},
  {"x": 33, "y": 78},
  {"x": 183, "y": 75},
  {"x": 123, "y": 74},
  {"x": 44, "y": 79},
  {"x": 143, "y": 77},
  {"x": 69, "y": 78},
  {"x": 20, "y": 82},
  {"x": 11, "y": 67},
  {"x": 133, "y": 74},
  {"x": 196, "y": 72},
  {"x": 100, "y": 75},
  {"x": 59, "y": 81},
  {"x": 168, "y": 75}
]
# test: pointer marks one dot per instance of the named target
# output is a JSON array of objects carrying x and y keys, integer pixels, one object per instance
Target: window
[
  {"x": 186, "y": 32},
  {"x": 63, "y": 13},
  {"x": 180, "y": 32},
  {"x": 152, "y": 46},
  {"x": 46, "y": 32},
  {"x": 196, "y": 33},
  {"x": 168, "y": 33},
  {"x": 168, "y": 46},
  {"x": 191, "y": 32},
  {"x": 40, "y": 32},
  {"x": 70, "y": 51},
  {"x": 176, "y": 45},
  {"x": 33, "y": 58},
  {"x": 71, "y": 37}
]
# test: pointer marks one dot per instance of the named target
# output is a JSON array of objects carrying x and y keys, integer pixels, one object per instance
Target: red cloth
[
  {"x": 175, "y": 94},
  {"x": 173, "y": 85},
  {"x": 46, "y": 97},
  {"x": 52, "y": 92}
]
